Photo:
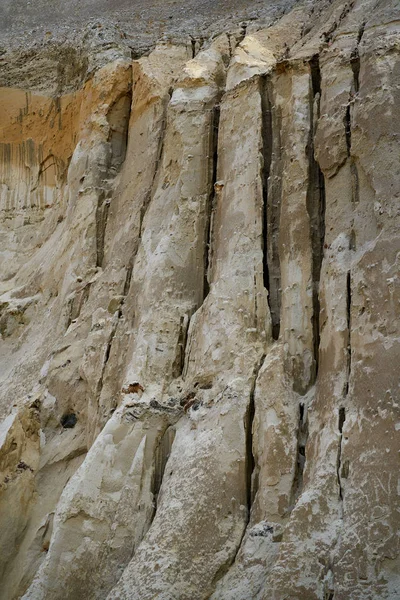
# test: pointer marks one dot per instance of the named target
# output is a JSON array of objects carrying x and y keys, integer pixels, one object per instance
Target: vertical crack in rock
[
  {"x": 118, "y": 119},
  {"x": 101, "y": 223},
  {"x": 229, "y": 36},
  {"x": 271, "y": 202},
  {"x": 193, "y": 44},
  {"x": 251, "y": 484},
  {"x": 355, "y": 67},
  {"x": 342, "y": 469},
  {"x": 348, "y": 312},
  {"x": 130, "y": 266},
  {"x": 179, "y": 363},
  {"x": 347, "y": 129},
  {"x": 250, "y": 461},
  {"x": 315, "y": 203},
  {"x": 213, "y": 150},
  {"x": 162, "y": 454},
  {"x": 196, "y": 45},
  {"x": 328, "y": 35},
  {"x": 107, "y": 352},
  {"x": 361, "y": 31},
  {"x": 160, "y": 151},
  {"x": 339, "y": 468},
  {"x": 302, "y": 436},
  {"x": 266, "y": 165}
]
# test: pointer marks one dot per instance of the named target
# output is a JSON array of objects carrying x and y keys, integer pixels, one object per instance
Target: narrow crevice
[
  {"x": 224, "y": 568},
  {"x": 266, "y": 134},
  {"x": 213, "y": 154},
  {"x": 214, "y": 190},
  {"x": 355, "y": 67},
  {"x": 315, "y": 75},
  {"x": 193, "y": 44},
  {"x": 348, "y": 313},
  {"x": 315, "y": 205},
  {"x": 302, "y": 436},
  {"x": 117, "y": 317},
  {"x": 355, "y": 186},
  {"x": 127, "y": 284},
  {"x": 118, "y": 118},
  {"x": 348, "y": 300},
  {"x": 196, "y": 45},
  {"x": 101, "y": 224},
  {"x": 271, "y": 202},
  {"x": 229, "y": 36},
  {"x": 341, "y": 420},
  {"x": 250, "y": 461},
  {"x": 161, "y": 457},
  {"x": 361, "y": 31},
  {"x": 250, "y": 467},
  {"x": 347, "y": 129},
  {"x": 159, "y": 156},
  {"x": 179, "y": 362},
  {"x": 328, "y": 35},
  {"x": 107, "y": 352}
]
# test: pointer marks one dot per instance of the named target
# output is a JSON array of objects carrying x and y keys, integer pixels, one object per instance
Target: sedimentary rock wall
[{"x": 199, "y": 312}]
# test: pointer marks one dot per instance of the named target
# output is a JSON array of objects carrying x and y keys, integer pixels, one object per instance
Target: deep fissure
[
  {"x": 271, "y": 185},
  {"x": 213, "y": 169},
  {"x": 355, "y": 67},
  {"x": 250, "y": 461},
  {"x": 302, "y": 436},
  {"x": 341, "y": 420},
  {"x": 101, "y": 224},
  {"x": 348, "y": 313},
  {"x": 347, "y": 129},
  {"x": 315, "y": 205},
  {"x": 179, "y": 363},
  {"x": 161, "y": 457}
]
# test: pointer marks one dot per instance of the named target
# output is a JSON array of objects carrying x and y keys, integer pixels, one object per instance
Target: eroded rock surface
[{"x": 199, "y": 309}]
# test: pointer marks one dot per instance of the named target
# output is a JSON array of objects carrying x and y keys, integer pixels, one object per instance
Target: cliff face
[{"x": 199, "y": 312}]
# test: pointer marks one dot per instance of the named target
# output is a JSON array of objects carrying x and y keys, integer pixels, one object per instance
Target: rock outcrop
[{"x": 199, "y": 309}]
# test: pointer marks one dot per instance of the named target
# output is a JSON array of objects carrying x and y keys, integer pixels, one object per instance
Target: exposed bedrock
[{"x": 199, "y": 314}]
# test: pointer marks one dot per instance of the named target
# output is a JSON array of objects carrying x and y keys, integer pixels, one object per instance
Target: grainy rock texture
[{"x": 199, "y": 300}]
